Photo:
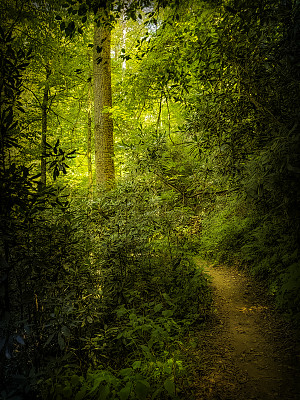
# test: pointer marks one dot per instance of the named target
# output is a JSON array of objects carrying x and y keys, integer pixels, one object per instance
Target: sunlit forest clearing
[{"x": 149, "y": 214}]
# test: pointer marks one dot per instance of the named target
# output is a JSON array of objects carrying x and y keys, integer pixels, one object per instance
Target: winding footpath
[{"x": 247, "y": 352}]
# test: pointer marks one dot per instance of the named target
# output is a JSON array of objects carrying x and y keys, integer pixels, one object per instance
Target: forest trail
[{"x": 246, "y": 352}]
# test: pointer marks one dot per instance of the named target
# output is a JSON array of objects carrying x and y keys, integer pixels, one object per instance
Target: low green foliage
[{"x": 119, "y": 292}]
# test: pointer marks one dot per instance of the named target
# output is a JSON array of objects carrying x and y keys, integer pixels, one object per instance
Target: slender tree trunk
[
  {"x": 123, "y": 43},
  {"x": 44, "y": 127},
  {"x": 104, "y": 142},
  {"x": 89, "y": 144}
]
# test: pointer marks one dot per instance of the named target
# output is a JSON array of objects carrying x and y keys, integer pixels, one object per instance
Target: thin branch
[
  {"x": 27, "y": 88},
  {"x": 168, "y": 183},
  {"x": 60, "y": 116},
  {"x": 159, "y": 111},
  {"x": 169, "y": 115},
  {"x": 205, "y": 192}
]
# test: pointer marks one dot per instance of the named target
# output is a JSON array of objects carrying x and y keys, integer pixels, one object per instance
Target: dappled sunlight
[{"x": 253, "y": 309}]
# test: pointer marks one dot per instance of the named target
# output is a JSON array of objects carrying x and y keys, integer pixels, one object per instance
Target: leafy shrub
[{"x": 119, "y": 291}]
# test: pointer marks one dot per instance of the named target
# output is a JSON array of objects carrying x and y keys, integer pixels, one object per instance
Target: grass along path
[{"x": 246, "y": 352}]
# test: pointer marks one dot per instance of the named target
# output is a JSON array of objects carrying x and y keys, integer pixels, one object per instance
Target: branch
[
  {"x": 217, "y": 192},
  {"x": 168, "y": 183},
  {"x": 40, "y": 104}
]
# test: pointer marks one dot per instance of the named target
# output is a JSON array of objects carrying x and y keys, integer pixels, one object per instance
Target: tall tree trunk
[
  {"x": 44, "y": 127},
  {"x": 89, "y": 144},
  {"x": 104, "y": 142}
]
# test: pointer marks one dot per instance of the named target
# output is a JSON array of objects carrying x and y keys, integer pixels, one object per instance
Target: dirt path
[{"x": 246, "y": 352}]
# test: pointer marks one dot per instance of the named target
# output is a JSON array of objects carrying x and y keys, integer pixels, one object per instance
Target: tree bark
[
  {"x": 89, "y": 145},
  {"x": 103, "y": 131},
  {"x": 44, "y": 128}
]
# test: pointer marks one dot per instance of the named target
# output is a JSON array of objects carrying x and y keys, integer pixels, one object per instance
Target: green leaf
[
  {"x": 65, "y": 331},
  {"x": 58, "y": 17},
  {"x": 75, "y": 380},
  {"x": 103, "y": 392},
  {"x": 124, "y": 393},
  {"x": 168, "y": 313},
  {"x": 145, "y": 348},
  {"x": 126, "y": 371},
  {"x": 81, "y": 394},
  {"x": 61, "y": 341},
  {"x": 49, "y": 339},
  {"x": 142, "y": 389},
  {"x": 137, "y": 364},
  {"x": 158, "y": 307},
  {"x": 170, "y": 387},
  {"x": 67, "y": 392}
]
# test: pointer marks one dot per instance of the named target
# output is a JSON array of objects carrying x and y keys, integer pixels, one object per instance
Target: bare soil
[{"x": 246, "y": 351}]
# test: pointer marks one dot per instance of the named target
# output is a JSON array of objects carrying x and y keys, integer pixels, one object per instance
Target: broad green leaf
[
  {"x": 157, "y": 307},
  {"x": 49, "y": 339},
  {"x": 61, "y": 341},
  {"x": 142, "y": 389},
  {"x": 170, "y": 387},
  {"x": 81, "y": 394},
  {"x": 126, "y": 371},
  {"x": 65, "y": 331},
  {"x": 137, "y": 364},
  {"x": 124, "y": 393},
  {"x": 75, "y": 380},
  {"x": 103, "y": 392},
  {"x": 67, "y": 391},
  {"x": 145, "y": 348},
  {"x": 168, "y": 313}
]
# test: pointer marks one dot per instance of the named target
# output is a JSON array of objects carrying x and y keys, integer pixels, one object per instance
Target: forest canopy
[{"x": 134, "y": 136}]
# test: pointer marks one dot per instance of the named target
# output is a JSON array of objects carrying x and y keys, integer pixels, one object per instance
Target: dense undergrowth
[
  {"x": 110, "y": 291},
  {"x": 258, "y": 226},
  {"x": 262, "y": 244},
  {"x": 261, "y": 233}
]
